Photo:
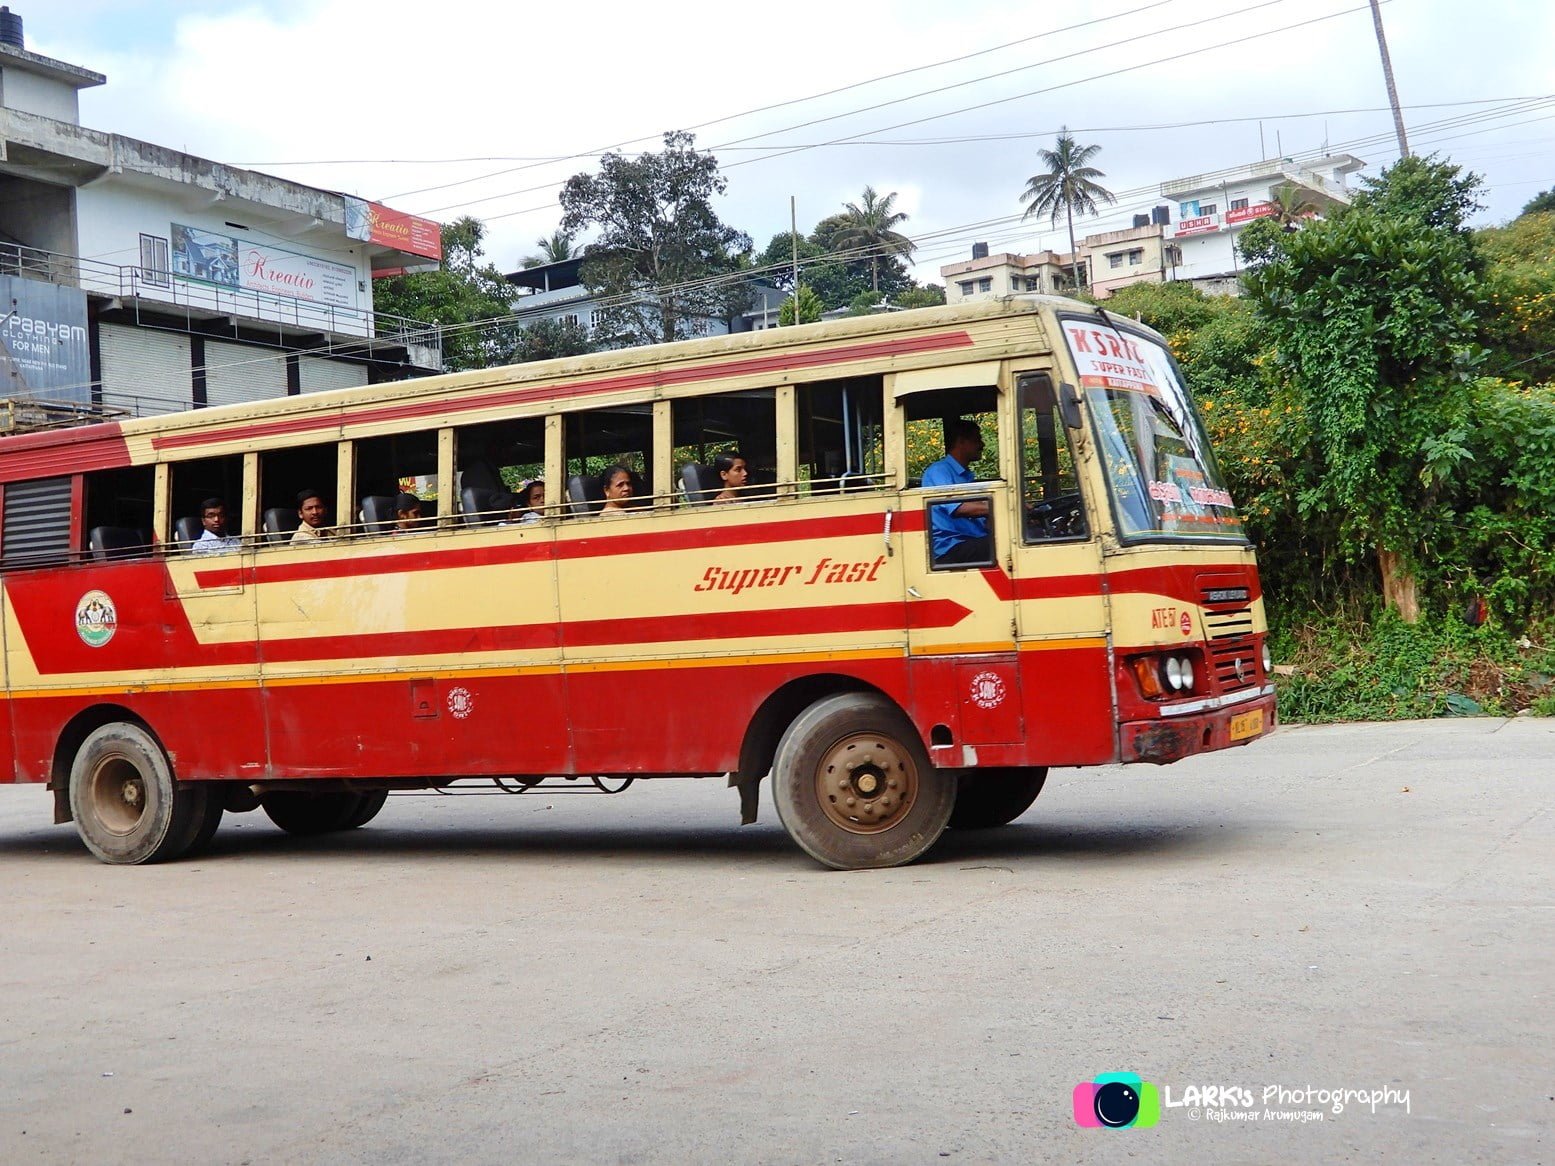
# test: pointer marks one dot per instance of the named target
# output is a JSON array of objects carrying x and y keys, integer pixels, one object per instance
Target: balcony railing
[{"x": 165, "y": 288}]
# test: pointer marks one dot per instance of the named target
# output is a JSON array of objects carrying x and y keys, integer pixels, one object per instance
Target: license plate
[{"x": 1245, "y": 725}]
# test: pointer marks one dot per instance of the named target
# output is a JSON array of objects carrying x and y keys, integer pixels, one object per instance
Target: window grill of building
[
  {"x": 965, "y": 287},
  {"x": 570, "y": 318},
  {"x": 1115, "y": 259},
  {"x": 985, "y": 284},
  {"x": 1136, "y": 256},
  {"x": 1239, "y": 204},
  {"x": 1209, "y": 208},
  {"x": 155, "y": 270}
]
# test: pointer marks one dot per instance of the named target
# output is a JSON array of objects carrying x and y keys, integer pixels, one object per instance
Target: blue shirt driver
[{"x": 959, "y": 532}]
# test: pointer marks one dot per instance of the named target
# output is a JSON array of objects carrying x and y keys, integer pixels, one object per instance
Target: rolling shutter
[
  {"x": 145, "y": 371},
  {"x": 243, "y": 372},
  {"x": 318, "y": 375}
]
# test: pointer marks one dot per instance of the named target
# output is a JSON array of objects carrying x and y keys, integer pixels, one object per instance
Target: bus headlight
[
  {"x": 1179, "y": 674},
  {"x": 1268, "y": 659}
]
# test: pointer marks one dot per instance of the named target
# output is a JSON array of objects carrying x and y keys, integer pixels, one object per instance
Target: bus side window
[
  {"x": 927, "y": 413},
  {"x": 37, "y": 524},
  {"x": 283, "y": 474},
  {"x": 118, "y": 510},
  {"x": 841, "y": 435},
  {"x": 494, "y": 459},
  {"x": 400, "y": 463},
  {"x": 1051, "y": 503},
  {"x": 191, "y": 483},
  {"x": 706, "y": 427},
  {"x": 601, "y": 438}
]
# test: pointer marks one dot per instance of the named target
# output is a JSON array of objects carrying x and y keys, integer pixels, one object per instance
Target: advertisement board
[
  {"x": 1246, "y": 214},
  {"x": 43, "y": 345},
  {"x": 373, "y": 222},
  {"x": 1202, "y": 225},
  {"x": 211, "y": 257}
]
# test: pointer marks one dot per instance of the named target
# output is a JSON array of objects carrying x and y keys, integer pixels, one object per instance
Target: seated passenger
[
  {"x": 616, "y": 485},
  {"x": 407, "y": 514},
  {"x": 960, "y": 532},
  {"x": 214, "y": 538},
  {"x": 312, "y": 511},
  {"x": 528, "y": 505},
  {"x": 733, "y": 473}
]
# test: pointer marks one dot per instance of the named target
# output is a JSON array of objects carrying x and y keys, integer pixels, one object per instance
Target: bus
[{"x": 814, "y": 631}]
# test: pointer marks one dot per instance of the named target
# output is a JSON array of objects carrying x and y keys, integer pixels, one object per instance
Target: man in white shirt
[{"x": 214, "y": 539}]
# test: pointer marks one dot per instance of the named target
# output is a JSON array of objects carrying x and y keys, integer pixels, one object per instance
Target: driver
[{"x": 960, "y": 532}]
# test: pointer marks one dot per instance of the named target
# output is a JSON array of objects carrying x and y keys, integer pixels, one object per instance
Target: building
[
  {"x": 1137, "y": 254},
  {"x": 135, "y": 278},
  {"x": 986, "y": 276},
  {"x": 1212, "y": 209}
]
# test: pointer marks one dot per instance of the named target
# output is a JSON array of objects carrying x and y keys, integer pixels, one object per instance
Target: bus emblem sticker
[
  {"x": 460, "y": 703},
  {"x": 1186, "y": 625},
  {"x": 96, "y": 619},
  {"x": 988, "y": 690}
]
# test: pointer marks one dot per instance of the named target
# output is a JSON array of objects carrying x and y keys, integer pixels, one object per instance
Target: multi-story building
[
  {"x": 1212, "y": 209},
  {"x": 136, "y": 278},
  {"x": 986, "y": 276}
]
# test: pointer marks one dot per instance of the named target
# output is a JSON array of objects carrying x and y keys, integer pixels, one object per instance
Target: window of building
[
  {"x": 154, "y": 267},
  {"x": 1115, "y": 259},
  {"x": 570, "y": 318},
  {"x": 1209, "y": 208},
  {"x": 1034, "y": 283},
  {"x": 965, "y": 287},
  {"x": 985, "y": 284},
  {"x": 1239, "y": 204},
  {"x": 1136, "y": 256}
]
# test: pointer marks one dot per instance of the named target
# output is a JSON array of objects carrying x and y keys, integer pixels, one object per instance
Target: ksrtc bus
[{"x": 807, "y": 632}]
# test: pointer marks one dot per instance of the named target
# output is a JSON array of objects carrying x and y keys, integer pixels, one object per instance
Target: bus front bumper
[{"x": 1171, "y": 738}]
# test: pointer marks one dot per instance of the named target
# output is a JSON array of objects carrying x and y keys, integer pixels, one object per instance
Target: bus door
[
  {"x": 1057, "y": 580},
  {"x": 955, "y": 536}
]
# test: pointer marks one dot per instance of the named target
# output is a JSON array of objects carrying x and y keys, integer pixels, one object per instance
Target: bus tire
[
  {"x": 367, "y": 808},
  {"x": 127, "y": 807},
  {"x": 854, "y": 787},
  {"x": 305, "y": 814},
  {"x": 210, "y": 819},
  {"x": 996, "y": 796}
]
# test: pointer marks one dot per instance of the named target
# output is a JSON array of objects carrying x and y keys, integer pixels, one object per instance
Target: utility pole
[
  {"x": 793, "y": 237},
  {"x": 1387, "y": 76}
]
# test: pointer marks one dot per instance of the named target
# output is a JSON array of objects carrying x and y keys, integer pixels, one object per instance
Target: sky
[{"x": 485, "y": 108}]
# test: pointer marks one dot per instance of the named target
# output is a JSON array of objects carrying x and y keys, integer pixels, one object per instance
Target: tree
[
  {"x": 463, "y": 291},
  {"x": 808, "y": 305},
  {"x": 549, "y": 339},
  {"x": 1373, "y": 312},
  {"x": 1291, "y": 204},
  {"x": 1068, "y": 185},
  {"x": 869, "y": 228},
  {"x": 928, "y": 296},
  {"x": 552, "y": 250},
  {"x": 660, "y": 244},
  {"x": 1542, "y": 203}
]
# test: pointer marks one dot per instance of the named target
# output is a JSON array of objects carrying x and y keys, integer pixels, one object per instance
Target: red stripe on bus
[
  {"x": 694, "y": 538},
  {"x": 525, "y": 394},
  {"x": 49, "y": 455},
  {"x": 1181, "y": 582}
]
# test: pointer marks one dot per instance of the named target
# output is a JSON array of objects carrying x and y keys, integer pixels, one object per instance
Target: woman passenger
[
  {"x": 528, "y": 505},
  {"x": 732, "y": 473},
  {"x": 616, "y": 485}
]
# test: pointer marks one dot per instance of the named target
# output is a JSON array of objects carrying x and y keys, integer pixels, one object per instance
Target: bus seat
[
  {"x": 185, "y": 531},
  {"x": 377, "y": 513},
  {"x": 583, "y": 496},
  {"x": 699, "y": 482},
  {"x": 281, "y": 522},
  {"x": 482, "y": 507},
  {"x": 118, "y": 542}
]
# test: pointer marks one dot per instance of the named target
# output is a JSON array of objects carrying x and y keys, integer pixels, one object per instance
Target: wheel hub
[
  {"x": 118, "y": 795},
  {"x": 866, "y": 783}
]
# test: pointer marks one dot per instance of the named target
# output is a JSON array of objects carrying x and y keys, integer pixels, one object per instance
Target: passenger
[
  {"x": 214, "y": 538},
  {"x": 312, "y": 511},
  {"x": 616, "y": 485},
  {"x": 528, "y": 505},
  {"x": 733, "y": 473},
  {"x": 960, "y": 533},
  {"x": 407, "y": 514}
]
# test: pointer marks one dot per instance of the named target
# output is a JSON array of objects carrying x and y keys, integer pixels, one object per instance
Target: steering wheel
[{"x": 1062, "y": 516}]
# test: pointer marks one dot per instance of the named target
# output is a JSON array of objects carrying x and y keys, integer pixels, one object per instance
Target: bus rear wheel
[
  {"x": 991, "y": 797},
  {"x": 298, "y": 812},
  {"x": 127, "y": 807},
  {"x": 854, "y": 787}
]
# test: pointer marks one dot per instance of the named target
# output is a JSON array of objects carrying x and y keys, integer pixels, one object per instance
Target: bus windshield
[{"x": 1160, "y": 470}]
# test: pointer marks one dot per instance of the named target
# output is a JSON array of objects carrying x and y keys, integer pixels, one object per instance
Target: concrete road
[{"x": 559, "y": 978}]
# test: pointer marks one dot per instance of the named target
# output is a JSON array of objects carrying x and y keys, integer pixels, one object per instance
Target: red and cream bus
[{"x": 806, "y": 632}]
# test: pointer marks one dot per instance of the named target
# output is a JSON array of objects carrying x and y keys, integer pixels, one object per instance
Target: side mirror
[{"x": 1069, "y": 406}]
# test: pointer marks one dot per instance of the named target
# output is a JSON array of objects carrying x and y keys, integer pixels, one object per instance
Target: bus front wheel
[
  {"x": 854, "y": 787},
  {"x": 127, "y": 807},
  {"x": 986, "y": 798}
]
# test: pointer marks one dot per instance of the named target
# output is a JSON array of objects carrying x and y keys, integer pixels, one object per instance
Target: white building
[
  {"x": 1210, "y": 210},
  {"x": 137, "y": 278}
]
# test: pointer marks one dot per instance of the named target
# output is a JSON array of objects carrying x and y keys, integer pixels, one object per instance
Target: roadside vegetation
[{"x": 1381, "y": 401}]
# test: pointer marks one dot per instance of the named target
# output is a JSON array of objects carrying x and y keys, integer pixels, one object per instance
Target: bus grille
[{"x": 1228, "y": 620}]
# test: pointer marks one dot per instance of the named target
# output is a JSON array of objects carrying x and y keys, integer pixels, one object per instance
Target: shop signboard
[
  {"x": 372, "y": 222},
  {"x": 43, "y": 345}
]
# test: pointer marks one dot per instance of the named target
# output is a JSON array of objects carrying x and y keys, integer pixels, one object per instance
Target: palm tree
[
  {"x": 870, "y": 227},
  {"x": 1291, "y": 202},
  {"x": 1069, "y": 185},
  {"x": 553, "y": 250}
]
